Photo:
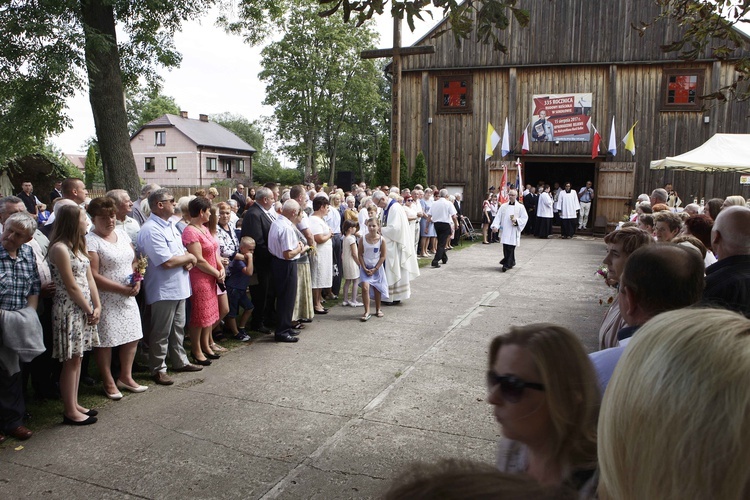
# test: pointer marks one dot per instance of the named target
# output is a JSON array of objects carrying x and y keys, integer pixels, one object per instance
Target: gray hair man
[{"x": 124, "y": 206}]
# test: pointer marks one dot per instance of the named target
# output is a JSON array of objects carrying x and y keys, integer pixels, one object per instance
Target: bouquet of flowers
[
  {"x": 140, "y": 270},
  {"x": 603, "y": 271}
]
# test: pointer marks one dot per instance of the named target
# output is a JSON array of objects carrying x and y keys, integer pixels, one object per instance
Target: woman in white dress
[
  {"x": 112, "y": 258},
  {"x": 321, "y": 264}
]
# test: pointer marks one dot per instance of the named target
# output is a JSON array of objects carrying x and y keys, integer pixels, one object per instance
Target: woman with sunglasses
[{"x": 546, "y": 399}]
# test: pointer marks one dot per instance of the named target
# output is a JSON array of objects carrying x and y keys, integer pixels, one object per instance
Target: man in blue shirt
[{"x": 167, "y": 286}]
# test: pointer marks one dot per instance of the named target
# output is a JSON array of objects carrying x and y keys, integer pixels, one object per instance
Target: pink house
[{"x": 179, "y": 151}]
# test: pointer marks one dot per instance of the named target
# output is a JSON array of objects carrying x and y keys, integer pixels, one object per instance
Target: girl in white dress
[
  {"x": 350, "y": 260},
  {"x": 371, "y": 258}
]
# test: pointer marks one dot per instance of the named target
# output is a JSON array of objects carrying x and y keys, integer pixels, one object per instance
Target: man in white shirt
[
  {"x": 443, "y": 213},
  {"x": 122, "y": 219},
  {"x": 285, "y": 249},
  {"x": 512, "y": 218},
  {"x": 567, "y": 204}
]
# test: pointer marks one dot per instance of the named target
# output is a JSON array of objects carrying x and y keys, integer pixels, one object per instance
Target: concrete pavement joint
[
  {"x": 373, "y": 404},
  {"x": 436, "y": 431},
  {"x": 78, "y": 480}
]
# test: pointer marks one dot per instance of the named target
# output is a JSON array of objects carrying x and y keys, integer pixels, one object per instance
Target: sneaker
[
  {"x": 242, "y": 335},
  {"x": 356, "y": 304}
]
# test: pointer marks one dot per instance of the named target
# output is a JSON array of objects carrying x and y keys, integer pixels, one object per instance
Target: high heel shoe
[
  {"x": 202, "y": 362},
  {"x": 211, "y": 355},
  {"x": 131, "y": 388}
]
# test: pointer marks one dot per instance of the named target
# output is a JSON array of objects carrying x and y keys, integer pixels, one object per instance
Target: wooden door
[{"x": 614, "y": 195}]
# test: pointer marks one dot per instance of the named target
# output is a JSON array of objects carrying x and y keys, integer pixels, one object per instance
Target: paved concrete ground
[{"x": 336, "y": 415}]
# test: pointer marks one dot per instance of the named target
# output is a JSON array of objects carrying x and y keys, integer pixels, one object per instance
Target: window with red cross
[
  {"x": 681, "y": 89},
  {"x": 454, "y": 94}
]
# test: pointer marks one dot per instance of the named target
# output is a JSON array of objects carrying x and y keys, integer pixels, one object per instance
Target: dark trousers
[
  {"x": 285, "y": 281},
  {"x": 12, "y": 405},
  {"x": 262, "y": 294},
  {"x": 509, "y": 256},
  {"x": 338, "y": 271},
  {"x": 568, "y": 227},
  {"x": 443, "y": 230},
  {"x": 43, "y": 370},
  {"x": 543, "y": 227}
]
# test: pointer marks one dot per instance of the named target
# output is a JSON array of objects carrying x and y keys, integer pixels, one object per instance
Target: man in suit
[
  {"x": 256, "y": 223},
  {"x": 55, "y": 193},
  {"x": 458, "y": 205},
  {"x": 530, "y": 201},
  {"x": 239, "y": 197}
]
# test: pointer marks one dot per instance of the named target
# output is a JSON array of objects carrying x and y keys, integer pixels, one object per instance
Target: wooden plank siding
[{"x": 574, "y": 46}]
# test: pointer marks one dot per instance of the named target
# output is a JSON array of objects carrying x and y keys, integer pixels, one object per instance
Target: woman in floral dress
[{"x": 76, "y": 310}]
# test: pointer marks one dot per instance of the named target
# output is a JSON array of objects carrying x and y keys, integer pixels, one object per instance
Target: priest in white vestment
[
  {"x": 511, "y": 218},
  {"x": 401, "y": 264},
  {"x": 567, "y": 205}
]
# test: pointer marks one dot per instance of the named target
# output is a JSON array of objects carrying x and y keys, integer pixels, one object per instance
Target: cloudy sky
[{"x": 218, "y": 73}]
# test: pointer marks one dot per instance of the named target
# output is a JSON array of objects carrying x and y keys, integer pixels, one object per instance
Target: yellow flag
[
  {"x": 493, "y": 138},
  {"x": 629, "y": 140}
]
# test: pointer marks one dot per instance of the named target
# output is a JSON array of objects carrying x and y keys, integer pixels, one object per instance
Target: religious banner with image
[{"x": 561, "y": 117}]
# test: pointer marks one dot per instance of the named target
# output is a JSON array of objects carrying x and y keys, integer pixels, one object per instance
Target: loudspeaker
[{"x": 344, "y": 180}]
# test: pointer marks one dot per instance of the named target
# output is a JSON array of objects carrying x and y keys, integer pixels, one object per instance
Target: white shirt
[
  {"x": 282, "y": 238},
  {"x": 130, "y": 226},
  {"x": 442, "y": 211}
]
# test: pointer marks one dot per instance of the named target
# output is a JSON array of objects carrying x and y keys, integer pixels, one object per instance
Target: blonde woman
[
  {"x": 675, "y": 420},
  {"x": 545, "y": 397}
]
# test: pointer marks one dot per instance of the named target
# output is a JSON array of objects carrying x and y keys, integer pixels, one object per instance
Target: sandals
[
  {"x": 365, "y": 317},
  {"x": 379, "y": 314}
]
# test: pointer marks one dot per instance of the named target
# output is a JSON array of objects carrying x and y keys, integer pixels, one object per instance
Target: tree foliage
[
  {"x": 491, "y": 15},
  {"x": 147, "y": 104},
  {"x": 93, "y": 168},
  {"x": 419, "y": 175},
  {"x": 383, "y": 164},
  {"x": 403, "y": 171},
  {"x": 319, "y": 85}
]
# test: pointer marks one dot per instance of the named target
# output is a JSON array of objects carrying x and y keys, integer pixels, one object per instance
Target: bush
[{"x": 419, "y": 175}]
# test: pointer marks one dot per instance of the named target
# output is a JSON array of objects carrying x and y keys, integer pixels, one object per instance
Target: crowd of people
[{"x": 118, "y": 276}]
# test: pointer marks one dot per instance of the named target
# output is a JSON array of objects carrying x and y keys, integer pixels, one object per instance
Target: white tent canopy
[{"x": 721, "y": 153}]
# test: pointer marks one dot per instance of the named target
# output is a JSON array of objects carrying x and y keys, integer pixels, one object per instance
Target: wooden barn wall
[
  {"x": 561, "y": 32},
  {"x": 455, "y": 142}
]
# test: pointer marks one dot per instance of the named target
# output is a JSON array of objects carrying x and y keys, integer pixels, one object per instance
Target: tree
[
  {"x": 47, "y": 45},
  {"x": 383, "y": 164},
  {"x": 146, "y": 105},
  {"x": 318, "y": 83},
  {"x": 419, "y": 175},
  {"x": 93, "y": 171}
]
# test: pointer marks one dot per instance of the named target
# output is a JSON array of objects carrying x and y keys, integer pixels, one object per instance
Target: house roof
[{"x": 202, "y": 133}]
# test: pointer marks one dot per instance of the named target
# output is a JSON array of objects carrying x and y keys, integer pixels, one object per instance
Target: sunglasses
[{"x": 511, "y": 387}]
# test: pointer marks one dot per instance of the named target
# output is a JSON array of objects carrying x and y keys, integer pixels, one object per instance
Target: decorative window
[
  {"x": 160, "y": 138},
  {"x": 171, "y": 163},
  {"x": 211, "y": 165},
  {"x": 454, "y": 94},
  {"x": 149, "y": 165},
  {"x": 681, "y": 89},
  {"x": 241, "y": 166}
]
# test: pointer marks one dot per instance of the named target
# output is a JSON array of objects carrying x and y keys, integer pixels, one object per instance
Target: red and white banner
[{"x": 561, "y": 117}]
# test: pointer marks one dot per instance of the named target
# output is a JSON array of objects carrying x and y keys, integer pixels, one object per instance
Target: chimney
[
  {"x": 184, "y": 114},
  {"x": 203, "y": 118}
]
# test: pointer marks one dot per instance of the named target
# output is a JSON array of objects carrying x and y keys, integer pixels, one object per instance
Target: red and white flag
[
  {"x": 525, "y": 141},
  {"x": 595, "y": 141}
]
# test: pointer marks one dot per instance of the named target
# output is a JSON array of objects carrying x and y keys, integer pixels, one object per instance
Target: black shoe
[
  {"x": 503, "y": 269},
  {"x": 435, "y": 264},
  {"x": 211, "y": 355},
  {"x": 304, "y": 320},
  {"x": 88, "y": 421},
  {"x": 285, "y": 337},
  {"x": 324, "y": 311},
  {"x": 445, "y": 260},
  {"x": 294, "y": 332},
  {"x": 92, "y": 413},
  {"x": 262, "y": 329},
  {"x": 204, "y": 362},
  {"x": 298, "y": 326}
]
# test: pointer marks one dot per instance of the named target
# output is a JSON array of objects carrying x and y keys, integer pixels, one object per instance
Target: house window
[
  {"x": 149, "y": 165},
  {"x": 241, "y": 166},
  {"x": 171, "y": 163},
  {"x": 211, "y": 164},
  {"x": 160, "y": 138},
  {"x": 681, "y": 89},
  {"x": 454, "y": 94}
]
